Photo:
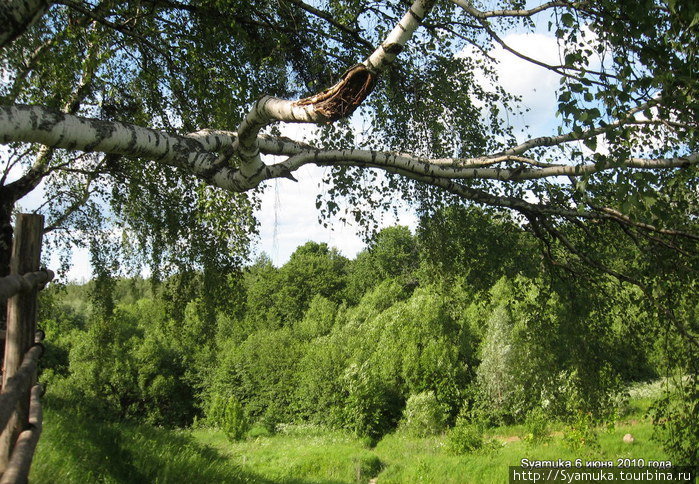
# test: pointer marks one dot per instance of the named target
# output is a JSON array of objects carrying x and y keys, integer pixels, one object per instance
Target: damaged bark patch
[
  {"x": 344, "y": 97},
  {"x": 392, "y": 49}
]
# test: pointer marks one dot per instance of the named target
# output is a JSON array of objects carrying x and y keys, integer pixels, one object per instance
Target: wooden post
[{"x": 21, "y": 321}]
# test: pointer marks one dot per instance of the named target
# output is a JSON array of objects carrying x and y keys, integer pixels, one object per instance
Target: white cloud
[
  {"x": 291, "y": 207},
  {"x": 80, "y": 268},
  {"x": 536, "y": 85}
]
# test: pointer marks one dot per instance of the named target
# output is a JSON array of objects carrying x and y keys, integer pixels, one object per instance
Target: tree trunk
[
  {"x": 6, "y": 207},
  {"x": 16, "y": 16}
]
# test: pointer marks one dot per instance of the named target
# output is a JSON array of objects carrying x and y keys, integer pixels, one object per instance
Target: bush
[
  {"x": 267, "y": 424},
  {"x": 581, "y": 432},
  {"x": 536, "y": 427},
  {"x": 464, "y": 438},
  {"x": 259, "y": 430},
  {"x": 423, "y": 415},
  {"x": 371, "y": 408},
  {"x": 227, "y": 414}
]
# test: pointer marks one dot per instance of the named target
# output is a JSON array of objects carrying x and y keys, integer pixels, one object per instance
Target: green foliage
[
  {"x": 227, "y": 414},
  {"x": 101, "y": 366},
  {"x": 515, "y": 368},
  {"x": 261, "y": 373},
  {"x": 417, "y": 347},
  {"x": 541, "y": 349},
  {"x": 318, "y": 319},
  {"x": 278, "y": 297},
  {"x": 391, "y": 254},
  {"x": 130, "y": 364},
  {"x": 423, "y": 415},
  {"x": 477, "y": 245},
  {"x": 320, "y": 393},
  {"x": 674, "y": 415},
  {"x": 371, "y": 408},
  {"x": 465, "y": 438},
  {"x": 313, "y": 269},
  {"x": 536, "y": 427},
  {"x": 582, "y": 431}
]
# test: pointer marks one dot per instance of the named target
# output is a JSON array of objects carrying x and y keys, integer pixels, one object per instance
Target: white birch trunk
[
  {"x": 16, "y": 16},
  {"x": 201, "y": 153}
]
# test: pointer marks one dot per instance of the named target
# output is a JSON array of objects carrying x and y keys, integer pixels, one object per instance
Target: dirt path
[{"x": 515, "y": 438}]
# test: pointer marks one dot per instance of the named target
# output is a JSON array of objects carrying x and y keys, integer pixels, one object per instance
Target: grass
[
  {"x": 334, "y": 457},
  {"x": 309, "y": 453},
  {"x": 426, "y": 460},
  {"x": 76, "y": 448}
]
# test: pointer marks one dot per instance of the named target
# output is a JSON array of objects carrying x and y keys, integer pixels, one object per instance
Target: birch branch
[
  {"x": 509, "y": 13},
  {"x": 426, "y": 167},
  {"x": 16, "y": 16},
  {"x": 337, "y": 102},
  {"x": 205, "y": 153}
]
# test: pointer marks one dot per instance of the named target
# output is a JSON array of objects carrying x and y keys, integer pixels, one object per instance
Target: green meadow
[{"x": 76, "y": 448}]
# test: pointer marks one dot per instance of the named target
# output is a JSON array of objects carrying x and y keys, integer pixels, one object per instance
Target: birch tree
[
  {"x": 151, "y": 105},
  {"x": 636, "y": 95}
]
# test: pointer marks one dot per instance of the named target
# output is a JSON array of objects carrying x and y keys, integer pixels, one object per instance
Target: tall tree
[{"x": 136, "y": 63}]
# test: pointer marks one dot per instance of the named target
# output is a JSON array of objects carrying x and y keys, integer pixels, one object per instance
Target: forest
[
  {"x": 397, "y": 341},
  {"x": 543, "y": 305}
]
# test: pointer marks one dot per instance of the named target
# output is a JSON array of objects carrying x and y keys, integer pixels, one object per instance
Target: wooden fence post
[{"x": 21, "y": 320}]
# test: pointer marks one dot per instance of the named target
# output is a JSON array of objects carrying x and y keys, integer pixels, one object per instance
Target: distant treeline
[{"x": 464, "y": 321}]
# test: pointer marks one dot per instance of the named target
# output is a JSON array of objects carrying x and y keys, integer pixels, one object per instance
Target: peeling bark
[
  {"x": 332, "y": 104},
  {"x": 343, "y": 98}
]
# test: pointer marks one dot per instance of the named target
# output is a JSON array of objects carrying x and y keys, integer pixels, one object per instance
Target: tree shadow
[{"x": 77, "y": 447}]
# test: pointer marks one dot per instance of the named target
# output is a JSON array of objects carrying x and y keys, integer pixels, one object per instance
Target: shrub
[
  {"x": 464, "y": 438},
  {"x": 371, "y": 408},
  {"x": 259, "y": 430},
  {"x": 269, "y": 421},
  {"x": 227, "y": 414},
  {"x": 581, "y": 432},
  {"x": 423, "y": 415},
  {"x": 536, "y": 427},
  {"x": 235, "y": 423}
]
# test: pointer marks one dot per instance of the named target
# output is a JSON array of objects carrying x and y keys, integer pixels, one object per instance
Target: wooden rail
[
  {"x": 13, "y": 284},
  {"x": 20, "y": 406},
  {"x": 21, "y": 459},
  {"x": 18, "y": 384}
]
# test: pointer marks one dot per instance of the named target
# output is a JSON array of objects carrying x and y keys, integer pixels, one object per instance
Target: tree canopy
[{"x": 164, "y": 94}]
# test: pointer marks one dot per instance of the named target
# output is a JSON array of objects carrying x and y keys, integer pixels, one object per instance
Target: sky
[
  {"x": 288, "y": 216},
  {"x": 291, "y": 206}
]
